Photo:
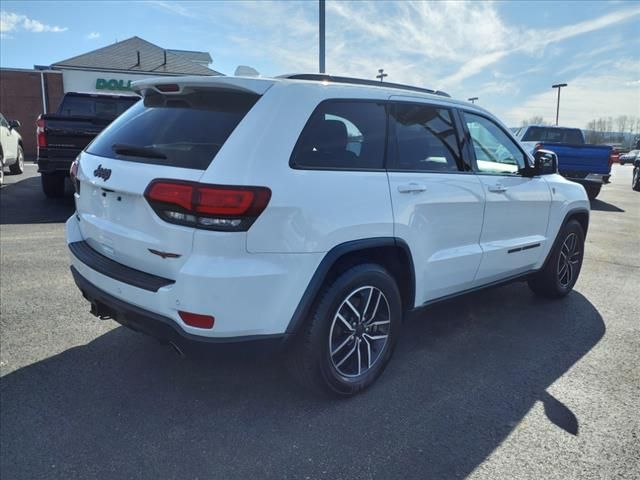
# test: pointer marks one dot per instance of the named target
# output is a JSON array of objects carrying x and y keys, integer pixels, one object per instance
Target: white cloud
[
  {"x": 93, "y": 35},
  {"x": 15, "y": 22},
  {"x": 172, "y": 7},
  {"x": 587, "y": 97}
]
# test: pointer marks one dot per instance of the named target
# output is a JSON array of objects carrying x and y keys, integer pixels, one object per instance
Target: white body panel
[
  {"x": 514, "y": 232},
  {"x": 442, "y": 227},
  {"x": 9, "y": 139},
  {"x": 459, "y": 232}
]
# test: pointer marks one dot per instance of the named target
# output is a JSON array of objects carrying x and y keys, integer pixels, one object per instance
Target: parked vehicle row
[
  {"x": 629, "y": 157},
  {"x": 589, "y": 165},
  {"x": 311, "y": 211},
  {"x": 62, "y": 135},
  {"x": 11, "y": 147}
]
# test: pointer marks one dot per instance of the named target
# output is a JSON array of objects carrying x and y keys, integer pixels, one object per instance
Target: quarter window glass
[
  {"x": 495, "y": 152},
  {"x": 344, "y": 135},
  {"x": 426, "y": 138},
  {"x": 3, "y": 122}
]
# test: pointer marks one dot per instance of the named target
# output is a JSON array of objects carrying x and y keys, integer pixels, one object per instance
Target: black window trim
[
  {"x": 294, "y": 152},
  {"x": 472, "y": 153},
  {"x": 461, "y": 163},
  {"x": 465, "y": 167}
]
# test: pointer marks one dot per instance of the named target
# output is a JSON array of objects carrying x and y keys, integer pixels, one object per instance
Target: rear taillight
[
  {"x": 212, "y": 207},
  {"x": 40, "y": 133},
  {"x": 73, "y": 175},
  {"x": 613, "y": 157}
]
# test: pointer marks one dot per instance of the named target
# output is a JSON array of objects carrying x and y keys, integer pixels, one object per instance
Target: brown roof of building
[{"x": 124, "y": 56}]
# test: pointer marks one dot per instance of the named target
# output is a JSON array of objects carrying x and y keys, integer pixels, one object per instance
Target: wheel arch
[
  {"x": 391, "y": 253},
  {"x": 581, "y": 215}
]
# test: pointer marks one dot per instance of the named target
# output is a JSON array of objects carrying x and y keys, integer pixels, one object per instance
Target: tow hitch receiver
[{"x": 101, "y": 311}]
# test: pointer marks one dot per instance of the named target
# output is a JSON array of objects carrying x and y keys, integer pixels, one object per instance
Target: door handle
[
  {"x": 411, "y": 187},
  {"x": 497, "y": 188}
]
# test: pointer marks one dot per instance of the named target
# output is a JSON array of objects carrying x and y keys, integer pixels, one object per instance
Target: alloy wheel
[
  {"x": 359, "y": 331},
  {"x": 568, "y": 260}
]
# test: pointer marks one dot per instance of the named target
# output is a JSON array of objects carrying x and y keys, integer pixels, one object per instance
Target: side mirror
[
  {"x": 545, "y": 162},
  {"x": 14, "y": 124}
]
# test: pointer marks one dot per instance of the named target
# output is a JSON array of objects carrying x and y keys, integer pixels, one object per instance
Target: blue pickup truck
[{"x": 589, "y": 165}]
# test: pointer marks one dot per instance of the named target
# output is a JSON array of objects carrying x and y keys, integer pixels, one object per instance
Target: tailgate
[
  {"x": 117, "y": 221},
  {"x": 581, "y": 158},
  {"x": 72, "y": 133}
]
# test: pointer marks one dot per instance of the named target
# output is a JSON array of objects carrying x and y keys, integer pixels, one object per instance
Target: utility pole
[
  {"x": 558, "y": 86},
  {"x": 321, "y": 49},
  {"x": 381, "y": 74},
  {"x": 472, "y": 99}
]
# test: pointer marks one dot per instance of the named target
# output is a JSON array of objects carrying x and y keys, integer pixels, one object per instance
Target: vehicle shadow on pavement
[
  {"x": 23, "y": 202},
  {"x": 464, "y": 375},
  {"x": 600, "y": 206}
]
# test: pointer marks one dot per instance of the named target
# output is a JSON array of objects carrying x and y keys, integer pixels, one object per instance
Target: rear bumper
[
  {"x": 58, "y": 165},
  {"x": 589, "y": 179},
  {"x": 251, "y": 296},
  {"x": 164, "y": 329}
]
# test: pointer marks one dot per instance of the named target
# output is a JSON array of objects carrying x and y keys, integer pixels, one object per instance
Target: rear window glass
[
  {"x": 179, "y": 131},
  {"x": 571, "y": 136},
  {"x": 343, "y": 135},
  {"x": 95, "y": 107}
]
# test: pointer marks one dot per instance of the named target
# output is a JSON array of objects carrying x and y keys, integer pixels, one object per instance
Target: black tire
[
  {"x": 18, "y": 167},
  {"x": 635, "y": 182},
  {"x": 552, "y": 281},
  {"x": 52, "y": 185},
  {"x": 310, "y": 358},
  {"x": 593, "y": 191}
]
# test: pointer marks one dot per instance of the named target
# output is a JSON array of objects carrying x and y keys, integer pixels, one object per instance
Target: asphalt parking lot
[{"x": 497, "y": 384}]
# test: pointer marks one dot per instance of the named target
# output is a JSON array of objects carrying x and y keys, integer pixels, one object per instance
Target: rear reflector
[
  {"x": 196, "y": 320},
  {"x": 212, "y": 207}
]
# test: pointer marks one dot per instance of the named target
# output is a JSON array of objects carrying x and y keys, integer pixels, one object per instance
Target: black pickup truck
[{"x": 64, "y": 134}]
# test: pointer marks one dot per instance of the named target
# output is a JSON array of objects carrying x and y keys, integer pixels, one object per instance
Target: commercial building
[{"x": 24, "y": 93}]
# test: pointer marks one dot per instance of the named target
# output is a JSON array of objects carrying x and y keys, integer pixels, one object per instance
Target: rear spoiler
[{"x": 180, "y": 85}]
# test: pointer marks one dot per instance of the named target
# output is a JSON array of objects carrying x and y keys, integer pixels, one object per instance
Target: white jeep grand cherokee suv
[{"x": 312, "y": 210}]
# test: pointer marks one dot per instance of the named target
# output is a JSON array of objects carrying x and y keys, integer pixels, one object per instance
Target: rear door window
[
  {"x": 175, "y": 130},
  {"x": 425, "y": 139},
  {"x": 343, "y": 134}
]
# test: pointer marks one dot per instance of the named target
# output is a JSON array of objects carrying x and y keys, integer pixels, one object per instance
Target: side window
[
  {"x": 3, "y": 122},
  {"x": 495, "y": 152},
  {"x": 426, "y": 138},
  {"x": 343, "y": 135}
]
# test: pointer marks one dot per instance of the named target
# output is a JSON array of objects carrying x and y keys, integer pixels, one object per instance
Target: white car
[
  {"x": 312, "y": 211},
  {"x": 11, "y": 148}
]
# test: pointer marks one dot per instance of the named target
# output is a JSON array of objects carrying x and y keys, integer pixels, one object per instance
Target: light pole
[
  {"x": 472, "y": 99},
  {"x": 321, "y": 49},
  {"x": 381, "y": 74},
  {"x": 558, "y": 86}
]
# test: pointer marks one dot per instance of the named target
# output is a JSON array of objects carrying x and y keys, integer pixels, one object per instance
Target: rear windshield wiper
[{"x": 135, "y": 151}]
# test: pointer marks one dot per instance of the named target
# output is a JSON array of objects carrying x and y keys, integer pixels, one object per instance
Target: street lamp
[
  {"x": 472, "y": 99},
  {"x": 321, "y": 26},
  {"x": 558, "y": 86}
]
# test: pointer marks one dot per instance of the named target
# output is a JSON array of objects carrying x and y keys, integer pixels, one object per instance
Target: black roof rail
[{"x": 320, "y": 77}]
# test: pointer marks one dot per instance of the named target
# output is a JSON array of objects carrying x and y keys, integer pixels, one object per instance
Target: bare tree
[
  {"x": 621, "y": 123},
  {"x": 535, "y": 120}
]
